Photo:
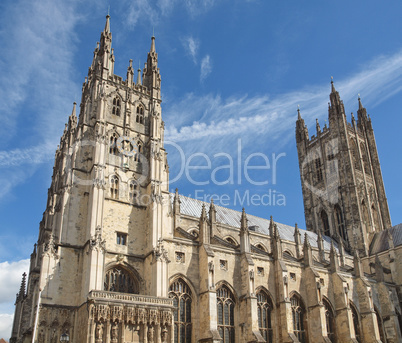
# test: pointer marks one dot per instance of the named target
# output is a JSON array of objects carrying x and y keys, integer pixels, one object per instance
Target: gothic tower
[
  {"x": 342, "y": 185},
  {"x": 102, "y": 227}
]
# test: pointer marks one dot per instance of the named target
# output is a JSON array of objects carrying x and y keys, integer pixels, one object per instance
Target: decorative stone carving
[
  {"x": 150, "y": 334},
  {"x": 96, "y": 243},
  {"x": 114, "y": 332},
  {"x": 99, "y": 332},
  {"x": 164, "y": 335}
]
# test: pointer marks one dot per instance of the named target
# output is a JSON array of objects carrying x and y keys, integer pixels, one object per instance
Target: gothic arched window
[
  {"x": 114, "y": 187},
  {"x": 264, "y": 308},
  {"x": 231, "y": 240},
  {"x": 299, "y": 318},
  {"x": 139, "y": 150},
  {"x": 118, "y": 279},
  {"x": 340, "y": 222},
  {"x": 325, "y": 223},
  {"x": 318, "y": 168},
  {"x": 226, "y": 304},
  {"x": 366, "y": 162},
  {"x": 140, "y": 114},
  {"x": 113, "y": 145},
  {"x": 355, "y": 154},
  {"x": 116, "y": 106},
  {"x": 330, "y": 321},
  {"x": 181, "y": 295},
  {"x": 356, "y": 322}
]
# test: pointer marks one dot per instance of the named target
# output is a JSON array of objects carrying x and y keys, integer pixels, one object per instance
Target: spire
[
  {"x": 152, "y": 44},
  {"x": 203, "y": 227},
  {"x": 333, "y": 90},
  {"x": 297, "y": 236},
  {"x": 298, "y": 113},
  {"x": 107, "y": 25},
  {"x": 21, "y": 293},
  {"x": 139, "y": 74},
  {"x": 243, "y": 220},
  {"x": 333, "y": 258},
  {"x": 308, "y": 253},
  {"x": 130, "y": 73},
  {"x": 317, "y": 125},
  {"x": 212, "y": 212},
  {"x": 360, "y": 103}
]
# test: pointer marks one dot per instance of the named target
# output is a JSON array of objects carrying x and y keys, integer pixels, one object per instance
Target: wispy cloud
[
  {"x": 10, "y": 280},
  {"x": 191, "y": 46},
  {"x": 206, "y": 67},
  {"x": 275, "y": 117}
]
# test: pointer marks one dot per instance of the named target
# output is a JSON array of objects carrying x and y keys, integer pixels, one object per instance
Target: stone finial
[
  {"x": 21, "y": 293},
  {"x": 212, "y": 212},
  {"x": 297, "y": 236},
  {"x": 308, "y": 253},
  {"x": 243, "y": 220},
  {"x": 317, "y": 125},
  {"x": 298, "y": 113},
  {"x": 203, "y": 214},
  {"x": 333, "y": 90},
  {"x": 152, "y": 44},
  {"x": 320, "y": 244},
  {"x": 333, "y": 258},
  {"x": 107, "y": 25}
]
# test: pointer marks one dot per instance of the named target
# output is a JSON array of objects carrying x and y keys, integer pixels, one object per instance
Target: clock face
[{"x": 127, "y": 146}]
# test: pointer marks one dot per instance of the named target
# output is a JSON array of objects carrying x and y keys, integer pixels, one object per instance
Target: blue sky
[{"x": 233, "y": 72}]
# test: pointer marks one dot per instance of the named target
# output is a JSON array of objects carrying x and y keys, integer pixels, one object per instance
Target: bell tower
[{"x": 342, "y": 185}]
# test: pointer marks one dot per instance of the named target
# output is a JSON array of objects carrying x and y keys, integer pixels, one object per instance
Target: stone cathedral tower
[
  {"x": 119, "y": 259},
  {"x": 109, "y": 180},
  {"x": 343, "y": 190}
]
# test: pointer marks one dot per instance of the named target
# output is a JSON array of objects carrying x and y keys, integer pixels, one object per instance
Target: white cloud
[
  {"x": 191, "y": 45},
  {"x": 206, "y": 67},
  {"x": 275, "y": 118},
  {"x": 6, "y": 322},
  {"x": 142, "y": 9},
  {"x": 10, "y": 279}
]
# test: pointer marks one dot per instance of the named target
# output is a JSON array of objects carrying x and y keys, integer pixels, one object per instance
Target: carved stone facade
[{"x": 119, "y": 259}]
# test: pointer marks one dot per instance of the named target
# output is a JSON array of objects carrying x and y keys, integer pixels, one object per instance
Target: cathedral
[{"x": 120, "y": 259}]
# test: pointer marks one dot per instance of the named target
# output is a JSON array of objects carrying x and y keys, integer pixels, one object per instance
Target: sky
[{"x": 233, "y": 74}]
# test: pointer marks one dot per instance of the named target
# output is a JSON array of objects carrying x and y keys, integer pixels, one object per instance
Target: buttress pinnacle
[{"x": 107, "y": 25}]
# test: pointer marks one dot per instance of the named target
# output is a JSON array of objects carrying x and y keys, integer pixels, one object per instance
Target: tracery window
[
  {"x": 340, "y": 222},
  {"x": 264, "y": 308},
  {"x": 366, "y": 162},
  {"x": 181, "y": 294},
  {"x": 118, "y": 279},
  {"x": 318, "y": 169},
  {"x": 331, "y": 158},
  {"x": 298, "y": 316},
  {"x": 330, "y": 321},
  {"x": 226, "y": 304},
  {"x": 113, "y": 145},
  {"x": 140, "y": 114},
  {"x": 116, "y": 106},
  {"x": 325, "y": 223},
  {"x": 355, "y": 154},
  {"x": 356, "y": 322},
  {"x": 114, "y": 187}
]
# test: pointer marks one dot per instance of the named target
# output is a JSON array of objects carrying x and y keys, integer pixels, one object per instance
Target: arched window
[
  {"x": 226, "y": 304},
  {"x": 318, "y": 168},
  {"x": 116, "y": 106},
  {"x": 181, "y": 295},
  {"x": 330, "y": 321},
  {"x": 114, "y": 187},
  {"x": 366, "y": 162},
  {"x": 139, "y": 150},
  {"x": 325, "y": 223},
  {"x": 380, "y": 326},
  {"x": 340, "y": 222},
  {"x": 355, "y": 155},
  {"x": 140, "y": 115},
  {"x": 298, "y": 316},
  {"x": 356, "y": 322},
  {"x": 264, "y": 308},
  {"x": 133, "y": 191},
  {"x": 112, "y": 145},
  {"x": 118, "y": 279},
  {"x": 261, "y": 247},
  {"x": 231, "y": 241},
  {"x": 331, "y": 158}
]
